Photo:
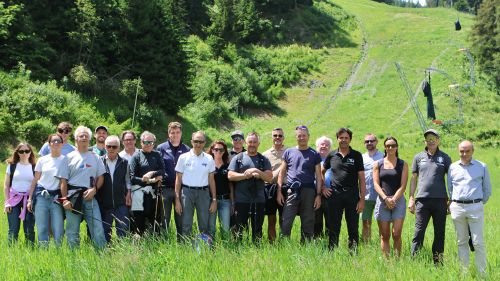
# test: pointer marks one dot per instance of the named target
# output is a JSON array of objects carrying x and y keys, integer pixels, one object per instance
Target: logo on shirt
[
  {"x": 350, "y": 161},
  {"x": 204, "y": 164}
]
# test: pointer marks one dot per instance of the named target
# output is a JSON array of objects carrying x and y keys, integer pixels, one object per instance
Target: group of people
[{"x": 137, "y": 189}]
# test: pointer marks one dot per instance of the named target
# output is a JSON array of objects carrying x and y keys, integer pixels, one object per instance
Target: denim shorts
[{"x": 382, "y": 213}]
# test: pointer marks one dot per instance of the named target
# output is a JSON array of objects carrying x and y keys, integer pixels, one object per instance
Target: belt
[
  {"x": 222, "y": 197},
  {"x": 196, "y": 187},
  {"x": 467, "y": 201},
  {"x": 342, "y": 188}
]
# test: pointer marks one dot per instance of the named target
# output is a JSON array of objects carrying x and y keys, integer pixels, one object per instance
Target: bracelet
[{"x": 213, "y": 199}]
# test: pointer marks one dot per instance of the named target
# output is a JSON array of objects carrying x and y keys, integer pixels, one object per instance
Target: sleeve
[
  {"x": 179, "y": 167},
  {"x": 211, "y": 165},
  {"x": 267, "y": 164},
  {"x": 414, "y": 164},
  {"x": 360, "y": 167},
  {"x": 127, "y": 177},
  {"x": 100, "y": 167},
  {"x": 63, "y": 171},
  {"x": 135, "y": 169},
  {"x": 232, "y": 164},
  {"x": 486, "y": 184},
  {"x": 44, "y": 150},
  {"x": 39, "y": 164},
  {"x": 328, "y": 159},
  {"x": 317, "y": 159},
  {"x": 449, "y": 181},
  {"x": 447, "y": 162}
]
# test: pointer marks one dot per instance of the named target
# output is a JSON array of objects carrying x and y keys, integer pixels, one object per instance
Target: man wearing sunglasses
[
  {"x": 371, "y": 156},
  {"x": 274, "y": 154},
  {"x": 238, "y": 139},
  {"x": 114, "y": 196},
  {"x": 170, "y": 151},
  {"x": 64, "y": 131},
  {"x": 428, "y": 172}
]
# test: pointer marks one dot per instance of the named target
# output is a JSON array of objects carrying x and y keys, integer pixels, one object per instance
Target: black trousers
[
  {"x": 425, "y": 209},
  {"x": 318, "y": 219},
  {"x": 150, "y": 218},
  {"x": 169, "y": 208},
  {"x": 250, "y": 211},
  {"x": 336, "y": 205}
]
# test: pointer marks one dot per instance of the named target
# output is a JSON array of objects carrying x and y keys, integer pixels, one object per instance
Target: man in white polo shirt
[{"x": 195, "y": 176}]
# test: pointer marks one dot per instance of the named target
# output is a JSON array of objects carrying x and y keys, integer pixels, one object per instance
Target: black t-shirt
[
  {"x": 345, "y": 169},
  {"x": 221, "y": 180}
]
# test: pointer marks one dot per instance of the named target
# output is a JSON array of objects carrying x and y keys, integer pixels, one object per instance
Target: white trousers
[{"x": 471, "y": 216}]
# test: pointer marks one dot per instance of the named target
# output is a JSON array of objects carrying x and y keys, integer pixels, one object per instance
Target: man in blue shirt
[{"x": 469, "y": 187}]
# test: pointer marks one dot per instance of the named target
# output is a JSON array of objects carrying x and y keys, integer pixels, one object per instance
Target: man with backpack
[{"x": 249, "y": 171}]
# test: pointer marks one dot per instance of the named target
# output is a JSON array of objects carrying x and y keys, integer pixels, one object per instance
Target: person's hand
[
  {"x": 317, "y": 202},
  {"x": 448, "y": 206},
  {"x": 279, "y": 197},
  {"x": 391, "y": 202},
  {"x": 411, "y": 205},
  {"x": 29, "y": 206},
  {"x": 360, "y": 206},
  {"x": 158, "y": 178},
  {"x": 256, "y": 175},
  {"x": 327, "y": 192},
  {"x": 89, "y": 193},
  {"x": 178, "y": 206},
  {"x": 213, "y": 207},
  {"x": 67, "y": 205},
  {"x": 232, "y": 209},
  {"x": 7, "y": 210},
  {"x": 128, "y": 198}
]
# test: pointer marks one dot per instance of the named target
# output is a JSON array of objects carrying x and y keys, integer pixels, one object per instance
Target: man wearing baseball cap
[
  {"x": 238, "y": 139},
  {"x": 100, "y": 135},
  {"x": 428, "y": 172}
]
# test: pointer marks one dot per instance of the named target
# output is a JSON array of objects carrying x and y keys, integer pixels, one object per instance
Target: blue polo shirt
[{"x": 170, "y": 155}]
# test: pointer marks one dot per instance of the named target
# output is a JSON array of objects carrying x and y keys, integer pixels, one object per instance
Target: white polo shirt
[{"x": 195, "y": 169}]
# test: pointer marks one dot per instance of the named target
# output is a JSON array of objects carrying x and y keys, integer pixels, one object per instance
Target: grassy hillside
[{"x": 372, "y": 99}]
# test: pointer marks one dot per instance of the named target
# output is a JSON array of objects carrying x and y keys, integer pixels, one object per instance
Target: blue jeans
[
  {"x": 121, "y": 218},
  {"x": 46, "y": 210},
  {"x": 15, "y": 224},
  {"x": 92, "y": 216},
  {"x": 224, "y": 211}
]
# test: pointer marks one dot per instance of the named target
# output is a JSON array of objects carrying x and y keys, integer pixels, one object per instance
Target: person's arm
[
  {"x": 235, "y": 176},
  {"x": 178, "y": 183},
  {"x": 362, "y": 185},
  {"x": 211, "y": 182},
  {"x": 6, "y": 190},
  {"x": 319, "y": 185},
  {"x": 486, "y": 185},
  {"x": 266, "y": 175},
  {"x": 135, "y": 170},
  {"x": 413, "y": 188},
  {"x": 36, "y": 178},
  {"x": 161, "y": 168},
  {"x": 281, "y": 177},
  {"x": 376, "y": 182},
  {"x": 64, "y": 193},
  {"x": 404, "y": 181}
]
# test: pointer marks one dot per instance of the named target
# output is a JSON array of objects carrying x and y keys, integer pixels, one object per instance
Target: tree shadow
[{"x": 313, "y": 27}]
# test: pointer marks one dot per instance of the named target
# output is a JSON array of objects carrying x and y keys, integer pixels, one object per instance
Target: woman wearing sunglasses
[
  {"x": 64, "y": 130},
  {"x": 390, "y": 176},
  {"x": 18, "y": 178},
  {"x": 224, "y": 188},
  {"x": 44, "y": 189}
]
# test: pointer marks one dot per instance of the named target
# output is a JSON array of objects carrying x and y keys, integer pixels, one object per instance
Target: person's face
[
  {"x": 55, "y": 143},
  {"x": 465, "y": 150},
  {"x": 391, "y": 147},
  {"x": 237, "y": 142},
  {"x": 147, "y": 143},
  {"x": 344, "y": 140},
  {"x": 370, "y": 142},
  {"x": 101, "y": 135},
  {"x": 112, "y": 148},
  {"x": 278, "y": 137},
  {"x": 175, "y": 135},
  {"x": 82, "y": 139},
  {"x": 431, "y": 141},
  {"x": 64, "y": 133},
  {"x": 324, "y": 148},
  {"x": 302, "y": 137},
  {"x": 24, "y": 152},
  {"x": 129, "y": 141},
  {"x": 252, "y": 144},
  {"x": 218, "y": 150},
  {"x": 198, "y": 142}
]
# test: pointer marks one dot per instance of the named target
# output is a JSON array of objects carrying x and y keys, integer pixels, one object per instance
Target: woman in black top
[
  {"x": 390, "y": 176},
  {"x": 225, "y": 197},
  {"x": 146, "y": 172}
]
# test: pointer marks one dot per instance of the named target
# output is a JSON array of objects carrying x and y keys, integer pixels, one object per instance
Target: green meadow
[{"x": 355, "y": 85}]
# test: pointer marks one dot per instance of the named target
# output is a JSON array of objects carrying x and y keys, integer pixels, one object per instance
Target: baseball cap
[
  {"x": 431, "y": 131},
  {"x": 101, "y": 127},
  {"x": 237, "y": 133}
]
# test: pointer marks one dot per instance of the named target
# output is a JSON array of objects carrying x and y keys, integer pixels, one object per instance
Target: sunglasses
[
  {"x": 198, "y": 141},
  {"x": 55, "y": 141},
  {"x": 21, "y": 151},
  {"x": 63, "y": 131},
  {"x": 431, "y": 139},
  {"x": 112, "y": 146},
  {"x": 237, "y": 138},
  {"x": 277, "y": 136},
  {"x": 301, "y": 127},
  {"x": 391, "y": 146},
  {"x": 218, "y": 149},
  {"x": 129, "y": 140},
  {"x": 370, "y": 141},
  {"x": 148, "y": 142}
]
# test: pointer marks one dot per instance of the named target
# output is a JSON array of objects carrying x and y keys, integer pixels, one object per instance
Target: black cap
[{"x": 101, "y": 127}]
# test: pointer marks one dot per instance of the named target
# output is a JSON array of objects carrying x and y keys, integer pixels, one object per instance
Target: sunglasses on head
[
  {"x": 218, "y": 149},
  {"x": 198, "y": 141},
  {"x": 148, "y": 142},
  {"x": 56, "y": 141},
  {"x": 301, "y": 127},
  {"x": 21, "y": 151},
  {"x": 370, "y": 141},
  {"x": 63, "y": 131},
  {"x": 112, "y": 146},
  {"x": 277, "y": 136}
]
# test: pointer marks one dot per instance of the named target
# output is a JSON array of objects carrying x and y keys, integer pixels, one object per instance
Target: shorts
[
  {"x": 367, "y": 214},
  {"x": 384, "y": 214},
  {"x": 271, "y": 204}
]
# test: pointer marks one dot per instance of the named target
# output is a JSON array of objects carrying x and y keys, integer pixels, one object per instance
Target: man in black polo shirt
[
  {"x": 428, "y": 171},
  {"x": 347, "y": 192}
]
